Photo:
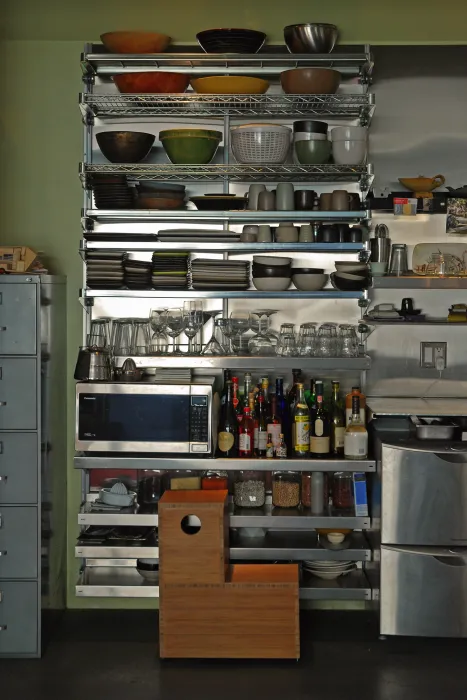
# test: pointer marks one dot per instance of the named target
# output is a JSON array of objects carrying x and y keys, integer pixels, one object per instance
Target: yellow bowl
[
  {"x": 422, "y": 184},
  {"x": 229, "y": 85}
]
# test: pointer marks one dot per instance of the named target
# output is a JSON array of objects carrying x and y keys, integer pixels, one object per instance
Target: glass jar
[
  {"x": 342, "y": 491},
  {"x": 215, "y": 481},
  {"x": 286, "y": 489},
  {"x": 150, "y": 489},
  {"x": 184, "y": 480},
  {"x": 306, "y": 489},
  {"x": 249, "y": 489}
]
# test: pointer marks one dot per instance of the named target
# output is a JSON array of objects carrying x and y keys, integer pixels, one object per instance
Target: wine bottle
[
  {"x": 337, "y": 421},
  {"x": 274, "y": 423},
  {"x": 227, "y": 432},
  {"x": 269, "y": 448},
  {"x": 245, "y": 435},
  {"x": 227, "y": 377},
  {"x": 320, "y": 433},
  {"x": 246, "y": 389},
  {"x": 283, "y": 413},
  {"x": 310, "y": 396},
  {"x": 356, "y": 435},
  {"x": 348, "y": 404},
  {"x": 262, "y": 427},
  {"x": 251, "y": 402},
  {"x": 236, "y": 399},
  {"x": 265, "y": 392},
  {"x": 292, "y": 395},
  {"x": 301, "y": 425}
]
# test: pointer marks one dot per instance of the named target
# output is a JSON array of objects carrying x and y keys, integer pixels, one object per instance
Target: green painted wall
[{"x": 41, "y": 134}]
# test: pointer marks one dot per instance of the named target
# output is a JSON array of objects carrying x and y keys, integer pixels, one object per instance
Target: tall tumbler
[{"x": 398, "y": 261}]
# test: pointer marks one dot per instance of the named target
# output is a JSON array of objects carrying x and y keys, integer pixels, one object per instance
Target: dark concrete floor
[{"x": 113, "y": 655}]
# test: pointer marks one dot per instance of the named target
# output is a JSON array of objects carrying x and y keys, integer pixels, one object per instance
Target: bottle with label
[
  {"x": 246, "y": 435},
  {"x": 236, "y": 399},
  {"x": 262, "y": 427},
  {"x": 320, "y": 428},
  {"x": 269, "y": 448},
  {"x": 247, "y": 386},
  {"x": 356, "y": 435},
  {"x": 292, "y": 395},
  {"x": 348, "y": 404},
  {"x": 274, "y": 423},
  {"x": 283, "y": 414},
  {"x": 310, "y": 396},
  {"x": 281, "y": 449},
  {"x": 337, "y": 421},
  {"x": 227, "y": 377},
  {"x": 227, "y": 432},
  {"x": 251, "y": 403},
  {"x": 265, "y": 392},
  {"x": 301, "y": 426}
]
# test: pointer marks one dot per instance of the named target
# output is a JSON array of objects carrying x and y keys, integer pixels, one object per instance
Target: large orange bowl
[
  {"x": 135, "y": 42},
  {"x": 158, "y": 82}
]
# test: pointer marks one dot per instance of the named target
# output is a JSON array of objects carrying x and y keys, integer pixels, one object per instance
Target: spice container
[
  {"x": 307, "y": 478},
  {"x": 286, "y": 489},
  {"x": 215, "y": 481},
  {"x": 249, "y": 489},
  {"x": 184, "y": 480},
  {"x": 342, "y": 491}
]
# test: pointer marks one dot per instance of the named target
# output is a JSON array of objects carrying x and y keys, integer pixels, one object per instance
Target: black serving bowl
[
  {"x": 125, "y": 146},
  {"x": 275, "y": 271},
  {"x": 345, "y": 282},
  {"x": 309, "y": 126},
  {"x": 307, "y": 271},
  {"x": 231, "y": 40}
]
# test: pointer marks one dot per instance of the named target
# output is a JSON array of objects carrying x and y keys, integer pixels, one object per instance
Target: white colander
[{"x": 260, "y": 143}]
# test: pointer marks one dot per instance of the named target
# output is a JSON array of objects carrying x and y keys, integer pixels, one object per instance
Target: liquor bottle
[
  {"x": 348, "y": 404},
  {"x": 356, "y": 435},
  {"x": 227, "y": 432},
  {"x": 236, "y": 399},
  {"x": 310, "y": 396},
  {"x": 262, "y": 427},
  {"x": 265, "y": 392},
  {"x": 301, "y": 426},
  {"x": 337, "y": 421},
  {"x": 292, "y": 395},
  {"x": 281, "y": 403},
  {"x": 320, "y": 428},
  {"x": 251, "y": 402},
  {"x": 269, "y": 448},
  {"x": 227, "y": 377},
  {"x": 245, "y": 435},
  {"x": 246, "y": 389},
  {"x": 274, "y": 423},
  {"x": 281, "y": 449}
]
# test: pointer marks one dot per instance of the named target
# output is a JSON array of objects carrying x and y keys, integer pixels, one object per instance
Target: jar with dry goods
[
  {"x": 215, "y": 481},
  {"x": 249, "y": 489},
  {"x": 184, "y": 480},
  {"x": 307, "y": 478},
  {"x": 286, "y": 489},
  {"x": 342, "y": 490}
]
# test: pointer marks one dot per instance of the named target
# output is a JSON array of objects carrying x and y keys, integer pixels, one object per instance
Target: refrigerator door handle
[
  {"x": 440, "y": 553},
  {"x": 452, "y": 560}
]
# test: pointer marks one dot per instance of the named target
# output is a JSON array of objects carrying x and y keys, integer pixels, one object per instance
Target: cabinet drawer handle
[
  {"x": 2, "y": 328},
  {"x": 3, "y": 628},
  {"x": 2, "y": 403},
  {"x": 3, "y": 478},
  {"x": 4, "y": 553}
]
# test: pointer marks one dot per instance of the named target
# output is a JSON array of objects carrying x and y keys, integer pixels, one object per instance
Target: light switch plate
[{"x": 433, "y": 355}]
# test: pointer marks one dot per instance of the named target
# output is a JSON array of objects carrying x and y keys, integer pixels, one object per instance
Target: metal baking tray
[{"x": 433, "y": 428}]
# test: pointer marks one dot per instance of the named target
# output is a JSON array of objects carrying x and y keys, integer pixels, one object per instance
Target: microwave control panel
[{"x": 199, "y": 420}]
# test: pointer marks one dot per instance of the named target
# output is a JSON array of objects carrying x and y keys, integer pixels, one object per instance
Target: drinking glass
[
  {"x": 307, "y": 340},
  {"x": 229, "y": 332},
  {"x": 158, "y": 322},
  {"x": 241, "y": 324},
  {"x": 102, "y": 327},
  {"x": 96, "y": 342},
  {"x": 213, "y": 347},
  {"x": 333, "y": 327},
  {"x": 122, "y": 336},
  {"x": 325, "y": 346},
  {"x": 287, "y": 346},
  {"x": 261, "y": 344},
  {"x": 175, "y": 326},
  {"x": 348, "y": 341},
  {"x": 140, "y": 339},
  {"x": 193, "y": 312}
]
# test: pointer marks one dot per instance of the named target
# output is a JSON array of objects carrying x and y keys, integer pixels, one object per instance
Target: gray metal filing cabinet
[{"x": 32, "y": 457}]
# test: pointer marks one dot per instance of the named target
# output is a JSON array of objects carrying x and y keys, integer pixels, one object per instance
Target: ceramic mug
[
  {"x": 341, "y": 200},
  {"x": 264, "y": 234},
  {"x": 304, "y": 200},
  {"x": 267, "y": 201},
  {"x": 253, "y": 194},
  {"x": 325, "y": 201},
  {"x": 306, "y": 234},
  {"x": 285, "y": 196},
  {"x": 246, "y": 237},
  {"x": 251, "y": 228}
]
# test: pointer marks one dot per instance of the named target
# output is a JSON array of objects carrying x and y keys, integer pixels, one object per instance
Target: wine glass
[
  {"x": 229, "y": 332},
  {"x": 240, "y": 322},
  {"x": 158, "y": 323},
  {"x": 175, "y": 326},
  {"x": 261, "y": 344},
  {"x": 213, "y": 347},
  {"x": 193, "y": 313}
]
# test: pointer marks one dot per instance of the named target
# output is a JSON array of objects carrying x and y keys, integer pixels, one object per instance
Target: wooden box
[
  {"x": 190, "y": 558},
  {"x": 254, "y": 614}
]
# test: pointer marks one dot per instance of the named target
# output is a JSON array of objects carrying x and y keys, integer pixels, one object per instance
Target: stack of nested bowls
[
  {"x": 311, "y": 145},
  {"x": 350, "y": 276},
  {"x": 160, "y": 195},
  {"x": 260, "y": 143},
  {"x": 349, "y": 145},
  {"x": 271, "y": 274}
]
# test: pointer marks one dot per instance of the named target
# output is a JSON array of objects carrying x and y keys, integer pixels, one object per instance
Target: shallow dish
[
  {"x": 146, "y": 200},
  {"x": 309, "y": 282},
  {"x": 350, "y": 283},
  {"x": 152, "y": 83},
  {"x": 307, "y": 271},
  {"x": 277, "y": 271},
  {"x": 135, "y": 42},
  {"x": 270, "y": 260},
  {"x": 125, "y": 146},
  {"x": 229, "y": 85},
  {"x": 271, "y": 284},
  {"x": 352, "y": 267}
]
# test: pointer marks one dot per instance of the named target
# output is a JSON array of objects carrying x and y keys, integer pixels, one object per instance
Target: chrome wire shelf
[
  {"x": 137, "y": 243},
  {"x": 243, "y": 216},
  {"x": 234, "y": 172},
  {"x": 192, "y": 104},
  {"x": 194, "y": 294}
]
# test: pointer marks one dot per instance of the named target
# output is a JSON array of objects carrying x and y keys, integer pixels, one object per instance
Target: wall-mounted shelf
[
  {"x": 353, "y": 586},
  {"x": 191, "y": 105},
  {"x": 193, "y": 294},
  {"x": 135, "y": 244},
  {"x": 236, "y": 173},
  {"x": 243, "y": 216},
  {"x": 410, "y": 324},
  {"x": 142, "y": 462},
  {"x": 419, "y": 282}
]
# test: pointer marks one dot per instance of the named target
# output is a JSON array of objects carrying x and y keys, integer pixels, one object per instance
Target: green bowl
[
  {"x": 313, "y": 152},
  {"x": 192, "y": 146}
]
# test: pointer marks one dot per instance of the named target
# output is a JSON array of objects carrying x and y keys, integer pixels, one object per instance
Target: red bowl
[{"x": 152, "y": 82}]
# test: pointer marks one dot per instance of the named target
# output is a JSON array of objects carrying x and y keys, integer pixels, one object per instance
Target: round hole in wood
[{"x": 190, "y": 524}]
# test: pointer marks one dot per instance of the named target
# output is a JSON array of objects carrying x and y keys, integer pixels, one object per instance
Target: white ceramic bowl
[
  {"x": 349, "y": 152},
  {"x": 271, "y": 284},
  {"x": 349, "y": 133},
  {"x": 152, "y": 576},
  {"x": 352, "y": 267},
  {"x": 335, "y": 537},
  {"x": 271, "y": 260},
  {"x": 309, "y": 282}
]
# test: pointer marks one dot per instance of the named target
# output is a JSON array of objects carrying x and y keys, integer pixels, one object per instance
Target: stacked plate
[
  {"x": 137, "y": 274},
  {"x": 112, "y": 192},
  {"x": 104, "y": 270},
  {"x": 328, "y": 570},
  {"x": 196, "y": 235},
  {"x": 220, "y": 274},
  {"x": 170, "y": 270}
]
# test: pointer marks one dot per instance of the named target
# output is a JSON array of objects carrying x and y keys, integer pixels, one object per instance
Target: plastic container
[
  {"x": 260, "y": 143},
  {"x": 342, "y": 491},
  {"x": 184, "y": 480},
  {"x": 249, "y": 489},
  {"x": 286, "y": 489},
  {"x": 215, "y": 481},
  {"x": 307, "y": 489}
]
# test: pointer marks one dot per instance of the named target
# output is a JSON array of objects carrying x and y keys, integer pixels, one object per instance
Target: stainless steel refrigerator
[{"x": 423, "y": 502}]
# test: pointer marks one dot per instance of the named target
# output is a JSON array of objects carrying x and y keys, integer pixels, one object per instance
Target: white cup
[
  {"x": 253, "y": 194},
  {"x": 306, "y": 234},
  {"x": 264, "y": 234}
]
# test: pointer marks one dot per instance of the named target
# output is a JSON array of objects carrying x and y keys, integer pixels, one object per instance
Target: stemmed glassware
[
  {"x": 229, "y": 332},
  {"x": 261, "y": 343},
  {"x": 240, "y": 323},
  {"x": 158, "y": 322},
  {"x": 175, "y": 325},
  {"x": 193, "y": 313},
  {"x": 213, "y": 347}
]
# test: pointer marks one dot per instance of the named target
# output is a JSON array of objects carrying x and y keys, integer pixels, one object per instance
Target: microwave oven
[{"x": 164, "y": 418}]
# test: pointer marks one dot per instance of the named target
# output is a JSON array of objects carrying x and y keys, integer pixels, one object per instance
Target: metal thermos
[
  {"x": 398, "y": 262},
  {"x": 380, "y": 245}
]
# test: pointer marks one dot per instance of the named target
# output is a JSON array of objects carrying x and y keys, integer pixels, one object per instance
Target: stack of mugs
[{"x": 349, "y": 145}]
